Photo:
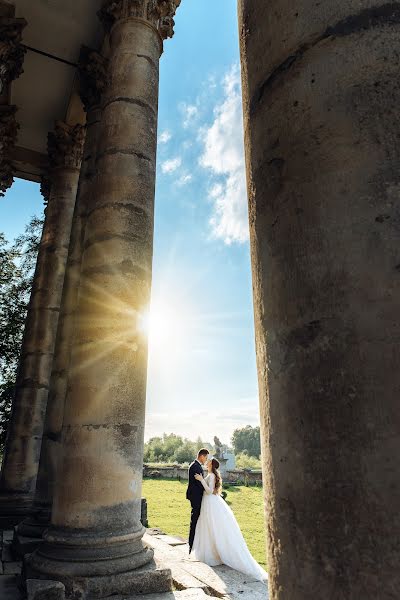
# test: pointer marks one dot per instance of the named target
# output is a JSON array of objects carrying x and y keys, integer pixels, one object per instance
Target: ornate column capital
[
  {"x": 8, "y": 137},
  {"x": 65, "y": 146},
  {"x": 65, "y": 151},
  {"x": 11, "y": 51},
  {"x": 92, "y": 72},
  {"x": 45, "y": 188},
  {"x": 159, "y": 13}
]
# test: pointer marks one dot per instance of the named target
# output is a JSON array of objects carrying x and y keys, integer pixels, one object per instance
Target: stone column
[
  {"x": 95, "y": 540},
  {"x": 92, "y": 75},
  {"x": 321, "y": 103},
  {"x": 21, "y": 459},
  {"x": 11, "y": 61}
]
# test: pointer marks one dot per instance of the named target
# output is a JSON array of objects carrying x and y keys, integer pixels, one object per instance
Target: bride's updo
[{"x": 218, "y": 478}]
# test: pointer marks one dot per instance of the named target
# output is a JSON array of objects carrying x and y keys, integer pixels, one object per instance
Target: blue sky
[{"x": 202, "y": 374}]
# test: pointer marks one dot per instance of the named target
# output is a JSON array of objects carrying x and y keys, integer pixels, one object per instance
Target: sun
[
  {"x": 161, "y": 324},
  {"x": 167, "y": 325}
]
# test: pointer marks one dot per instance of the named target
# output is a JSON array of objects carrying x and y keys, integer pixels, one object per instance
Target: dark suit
[{"x": 194, "y": 494}]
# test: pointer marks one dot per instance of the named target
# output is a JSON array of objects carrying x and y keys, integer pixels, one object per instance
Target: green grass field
[{"x": 169, "y": 510}]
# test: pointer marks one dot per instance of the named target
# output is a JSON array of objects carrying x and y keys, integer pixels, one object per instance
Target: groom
[{"x": 195, "y": 491}]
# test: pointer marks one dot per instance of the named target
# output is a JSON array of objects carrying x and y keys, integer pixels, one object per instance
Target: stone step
[
  {"x": 45, "y": 590},
  {"x": 220, "y": 581},
  {"x": 234, "y": 579},
  {"x": 6, "y": 554},
  {"x": 191, "y": 594},
  {"x": 12, "y": 568},
  {"x": 192, "y": 579},
  {"x": 8, "y": 535},
  {"x": 251, "y": 591},
  {"x": 171, "y": 540},
  {"x": 181, "y": 578},
  {"x": 167, "y": 555}
]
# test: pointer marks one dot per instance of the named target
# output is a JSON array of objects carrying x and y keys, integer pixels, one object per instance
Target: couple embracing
[{"x": 215, "y": 537}]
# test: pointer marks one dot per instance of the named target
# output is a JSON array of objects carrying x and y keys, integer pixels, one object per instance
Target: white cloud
[
  {"x": 216, "y": 190},
  {"x": 223, "y": 156},
  {"x": 164, "y": 137},
  {"x": 171, "y": 165},
  {"x": 212, "y": 82},
  {"x": 184, "y": 179},
  {"x": 190, "y": 112}
]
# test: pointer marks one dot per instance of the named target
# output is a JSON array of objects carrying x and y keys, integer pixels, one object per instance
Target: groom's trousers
[{"x": 196, "y": 507}]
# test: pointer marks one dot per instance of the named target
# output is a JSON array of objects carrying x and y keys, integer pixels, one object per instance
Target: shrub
[{"x": 244, "y": 461}]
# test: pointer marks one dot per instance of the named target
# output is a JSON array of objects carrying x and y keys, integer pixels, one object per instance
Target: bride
[{"x": 218, "y": 539}]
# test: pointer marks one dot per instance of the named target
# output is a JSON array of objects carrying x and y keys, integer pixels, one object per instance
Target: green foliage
[
  {"x": 164, "y": 464},
  {"x": 244, "y": 461},
  {"x": 169, "y": 510},
  {"x": 17, "y": 264},
  {"x": 173, "y": 449},
  {"x": 247, "y": 440}
]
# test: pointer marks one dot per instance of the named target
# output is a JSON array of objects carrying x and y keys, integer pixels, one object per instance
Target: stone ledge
[{"x": 45, "y": 590}]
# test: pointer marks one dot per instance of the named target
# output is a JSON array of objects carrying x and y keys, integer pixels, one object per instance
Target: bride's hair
[{"x": 218, "y": 478}]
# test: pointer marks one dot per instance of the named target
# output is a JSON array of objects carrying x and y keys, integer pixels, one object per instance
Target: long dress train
[{"x": 218, "y": 539}]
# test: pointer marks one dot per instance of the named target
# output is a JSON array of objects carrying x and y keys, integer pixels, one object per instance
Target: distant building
[{"x": 231, "y": 461}]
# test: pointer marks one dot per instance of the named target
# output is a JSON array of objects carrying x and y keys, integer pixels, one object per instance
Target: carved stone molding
[
  {"x": 160, "y": 13},
  {"x": 92, "y": 70},
  {"x": 8, "y": 137},
  {"x": 11, "y": 51}
]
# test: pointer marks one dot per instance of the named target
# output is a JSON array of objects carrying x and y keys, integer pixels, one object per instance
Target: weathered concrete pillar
[
  {"x": 95, "y": 540},
  {"x": 92, "y": 76},
  {"x": 11, "y": 60},
  {"x": 24, "y": 436},
  {"x": 321, "y": 103}
]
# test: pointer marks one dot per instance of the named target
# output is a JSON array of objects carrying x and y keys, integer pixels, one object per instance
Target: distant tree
[
  {"x": 185, "y": 453},
  {"x": 247, "y": 440},
  {"x": 172, "y": 448},
  {"x": 162, "y": 449},
  {"x": 17, "y": 265},
  {"x": 244, "y": 461},
  {"x": 199, "y": 443}
]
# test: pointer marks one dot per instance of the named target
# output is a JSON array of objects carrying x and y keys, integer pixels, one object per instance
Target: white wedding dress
[{"x": 218, "y": 539}]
